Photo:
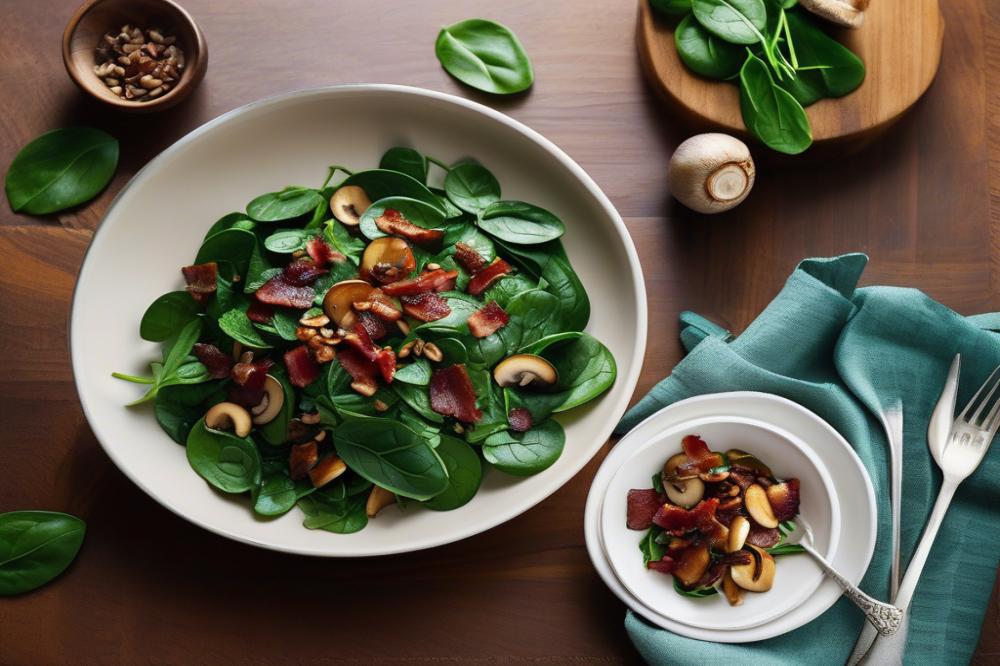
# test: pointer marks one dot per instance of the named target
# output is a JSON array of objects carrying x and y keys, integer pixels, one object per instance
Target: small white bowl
[{"x": 797, "y": 576}]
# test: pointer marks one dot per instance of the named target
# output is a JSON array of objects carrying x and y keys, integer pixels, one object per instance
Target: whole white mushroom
[{"x": 711, "y": 173}]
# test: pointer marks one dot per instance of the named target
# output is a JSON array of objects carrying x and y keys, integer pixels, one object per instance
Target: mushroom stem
[
  {"x": 711, "y": 173},
  {"x": 728, "y": 182}
]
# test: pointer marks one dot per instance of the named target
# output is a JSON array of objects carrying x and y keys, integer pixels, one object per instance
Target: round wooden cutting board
[{"x": 899, "y": 42}]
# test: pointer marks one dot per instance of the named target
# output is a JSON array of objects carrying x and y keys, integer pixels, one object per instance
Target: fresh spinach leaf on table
[
  {"x": 35, "y": 547},
  {"x": 60, "y": 169},
  {"x": 485, "y": 55},
  {"x": 230, "y": 463}
]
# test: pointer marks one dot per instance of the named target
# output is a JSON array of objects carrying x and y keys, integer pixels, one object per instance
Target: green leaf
[
  {"x": 465, "y": 473},
  {"x": 228, "y": 221},
  {"x": 706, "y": 54},
  {"x": 485, "y": 55},
  {"x": 419, "y": 213},
  {"x": 417, "y": 373},
  {"x": 521, "y": 223},
  {"x": 419, "y": 400},
  {"x": 697, "y": 593},
  {"x": 278, "y": 493},
  {"x": 735, "y": 21},
  {"x": 348, "y": 245},
  {"x": 180, "y": 406},
  {"x": 287, "y": 241},
  {"x": 35, "y": 547},
  {"x": 275, "y": 432},
  {"x": 785, "y": 549},
  {"x": 382, "y": 183},
  {"x": 167, "y": 315},
  {"x": 238, "y": 326},
  {"x": 60, "y": 169},
  {"x": 405, "y": 160},
  {"x": 548, "y": 262},
  {"x": 651, "y": 549},
  {"x": 527, "y": 453},
  {"x": 471, "y": 187},
  {"x": 343, "y": 516},
  {"x": 392, "y": 456},
  {"x": 827, "y": 67},
  {"x": 770, "y": 112},
  {"x": 671, "y": 7},
  {"x": 231, "y": 248},
  {"x": 230, "y": 463},
  {"x": 287, "y": 204}
]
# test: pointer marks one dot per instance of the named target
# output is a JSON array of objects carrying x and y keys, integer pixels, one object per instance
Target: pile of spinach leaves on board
[
  {"x": 349, "y": 434},
  {"x": 775, "y": 52}
]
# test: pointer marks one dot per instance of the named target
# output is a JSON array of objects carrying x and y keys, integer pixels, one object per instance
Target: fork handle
[
  {"x": 919, "y": 559},
  {"x": 886, "y": 618}
]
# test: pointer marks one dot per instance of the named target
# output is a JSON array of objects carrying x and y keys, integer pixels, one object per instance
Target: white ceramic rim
[
  {"x": 776, "y": 627},
  {"x": 575, "y": 169}
]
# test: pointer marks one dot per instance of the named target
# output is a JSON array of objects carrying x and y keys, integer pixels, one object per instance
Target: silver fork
[{"x": 970, "y": 437}]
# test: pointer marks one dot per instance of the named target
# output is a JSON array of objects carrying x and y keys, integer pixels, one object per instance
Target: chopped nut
[
  {"x": 418, "y": 347},
  {"x": 458, "y": 428},
  {"x": 324, "y": 354},
  {"x": 432, "y": 353},
  {"x": 129, "y": 48},
  {"x": 315, "y": 322},
  {"x": 147, "y": 60},
  {"x": 404, "y": 328},
  {"x": 326, "y": 332},
  {"x": 320, "y": 436},
  {"x": 367, "y": 390},
  {"x": 245, "y": 357},
  {"x": 315, "y": 342},
  {"x": 303, "y": 333},
  {"x": 310, "y": 418},
  {"x": 111, "y": 83},
  {"x": 155, "y": 35},
  {"x": 149, "y": 83},
  {"x": 380, "y": 406},
  {"x": 432, "y": 267},
  {"x": 298, "y": 254},
  {"x": 404, "y": 351},
  {"x": 116, "y": 90}
]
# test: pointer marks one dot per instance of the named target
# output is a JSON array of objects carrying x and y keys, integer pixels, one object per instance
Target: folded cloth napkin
[{"x": 840, "y": 351}]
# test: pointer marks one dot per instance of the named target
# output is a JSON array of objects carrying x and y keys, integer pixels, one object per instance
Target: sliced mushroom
[
  {"x": 739, "y": 529},
  {"x": 847, "y": 13},
  {"x": 682, "y": 492},
  {"x": 338, "y": 302},
  {"x": 758, "y": 575},
  {"x": 738, "y": 458},
  {"x": 525, "y": 370},
  {"x": 326, "y": 470},
  {"x": 378, "y": 499},
  {"x": 270, "y": 406},
  {"x": 349, "y": 203},
  {"x": 714, "y": 477},
  {"x": 229, "y": 416},
  {"x": 693, "y": 563},
  {"x": 387, "y": 259},
  {"x": 733, "y": 592},
  {"x": 758, "y": 506}
]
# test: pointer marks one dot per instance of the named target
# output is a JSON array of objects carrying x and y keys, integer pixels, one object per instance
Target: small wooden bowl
[{"x": 96, "y": 17}]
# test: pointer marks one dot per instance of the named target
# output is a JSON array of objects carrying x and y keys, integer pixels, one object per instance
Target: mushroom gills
[
  {"x": 758, "y": 574},
  {"x": 684, "y": 493},
  {"x": 525, "y": 370},
  {"x": 273, "y": 401},
  {"x": 348, "y": 204}
]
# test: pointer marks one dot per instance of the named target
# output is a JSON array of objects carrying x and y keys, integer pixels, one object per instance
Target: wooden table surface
[{"x": 924, "y": 202}]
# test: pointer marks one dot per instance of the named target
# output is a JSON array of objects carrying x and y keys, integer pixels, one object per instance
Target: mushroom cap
[
  {"x": 389, "y": 250},
  {"x": 758, "y": 575},
  {"x": 525, "y": 370},
  {"x": 711, "y": 173},
  {"x": 340, "y": 299},
  {"x": 759, "y": 506},
  {"x": 682, "y": 492},
  {"x": 348, "y": 203},
  {"x": 274, "y": 394},
  {"x": 846, "y": 13},
  {"x": 229, "y": 415}
]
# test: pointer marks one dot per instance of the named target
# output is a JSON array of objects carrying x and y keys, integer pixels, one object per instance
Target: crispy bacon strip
[
  {"x": 519, "y": 419},
  {"x": 487, "y": 320},
  {"x": 666, "y": 566},
  {"x": 784, "y": 499},
  {"x": 217, "y": 363},
  {"x": 301, "y": 459},
  {"x": 384, "y": 307},
  {"x": 468, "y": 258},
  {"x": 277, "y": 291},
  {"x": 700, "y": 458},
  {"x": 425, "y": 307},
  {"x": 360, "y": 339},
  {"x": 247, "y": 388},
  {"x": 358, "y": 367},
  {"x": 642, "y": 505},
  {"x": 452, "y": 394},
  {"x": 394, "y": 223},
  {"x": 487, "y": 276},
  {"x": 373, "y": 325},
  {"x": 262, "y": 313},
  {"x": 322, "y": 253},
  {"x": 201, "y": 280},
  {"x": 437, "y": 280},
  {"x": 302, "y": 272},
  {"x": 302, "y": 369},
  {"x": 679, "y": 521}
]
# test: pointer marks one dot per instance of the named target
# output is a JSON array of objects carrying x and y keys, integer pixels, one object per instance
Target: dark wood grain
[{"x": 924, "y": 202}]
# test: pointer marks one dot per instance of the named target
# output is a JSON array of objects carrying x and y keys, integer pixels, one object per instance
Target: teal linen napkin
[{"x": 840, "y": 351}]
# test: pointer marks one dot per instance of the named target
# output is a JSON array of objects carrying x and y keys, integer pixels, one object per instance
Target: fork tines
[{"x": 991, "y": 419}]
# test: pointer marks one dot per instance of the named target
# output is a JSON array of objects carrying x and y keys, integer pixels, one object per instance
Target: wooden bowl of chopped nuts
[{"x": 135, "y": 55}]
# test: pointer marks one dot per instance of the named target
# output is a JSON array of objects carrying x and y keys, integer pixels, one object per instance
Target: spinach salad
[{"x": 372, "y": 342}]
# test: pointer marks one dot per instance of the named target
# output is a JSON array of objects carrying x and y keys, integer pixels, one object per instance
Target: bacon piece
[
  {"x": 425, "y": 307},
  {"x": 322, "y": 253},
  {"x": 302, "y": 369},
  {"x": 201, "y": 280},
  {"x": 277, "y": 291},
  {"x": 437, "y": 280},
  {"x": 262, "y": 313},
  {"x": 700, "y": 459},
  {"x": 452, "y": 394},
  {"x": 384, "y": 307},
  {"x": 373, "y": 325},
  {"x": 468, "y": 258},
  {"x": 247, "y": 388},
  {"x": 394, "y": 223},
  {"x": 665, "y": 566},
  {"x": 763, "y": 537},
  {"x": 302, "y": 273},
  {"x": 360, "y": 339},
  {"x": 487, "y": 320},
  {"x": 386, "y": 363},
  {"x": 642, "y": 506},
  {"x": 301, "y": 459},
  {"x": 678, "y": 521},
  {"x": 519, "y": 419},
  {"x": 784, "y": 499},
  {"x": 487, "y": 276},
  {"x": 358, "y": 366},
  {"x": 215, "y": 361}
]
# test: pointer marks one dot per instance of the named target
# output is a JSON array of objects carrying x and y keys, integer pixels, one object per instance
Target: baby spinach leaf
[
  {"x": 231, "y": 249},
  {"x": 704, "y": 53},
  {"x": 348, "y": 245},
  {"x": 287, "y": 204},
  {"x": 419, "y": 400},
  {"x": 167, "y": 315},
  {"x": 490, "y": 403},
  {"x": 418, "y": 424},
  {"x": 230, "y": 463},
  {"x": 504, "y": 290},
  {"x": 548, "y": 262},
  {"x": 832, "y": 68},
  {"x": 697, "y": 593},
  {"x": 278, "y": 493},
  {"x": 419, "y": 213},
  {"x": 417, "y": 373},
  {"x": 287, "y": 241},
  {"x": 259, "y": 270},
  {"x": 530, "y": 319},
  {"x": 275, "y": 432},
  {"x": 735, "y": 21},
  {"x": 519, "y": 222},
  {"x": 471, "y": 187},
  {"x": 405, "y": 160},
  {"x": 452, "y": 350},
  {"x": 770, "y": 112},
  {"x": 383, "y": 183},
  {"x": 468, "y": 233},
  {"x": 651, "y": 549},
  {"x": 178, "y": 407},
  {"x": 238, "y": 326},
  {"x": 35, "y": 547},
  {"x": 465, "y": 473},
  {"x": 60, "y": 169},
  {"x": 785, "y": 549},
  {"x": 178, "y": 367},
  {"x": 230, "y": 220},
  {"x": 485, "y": 55},
  {"x": 671, "y": 7},
  {"x": 527, "y": 453},
  {"x": 343, "y": 516},
  {"x": 392, "y": 456}
]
